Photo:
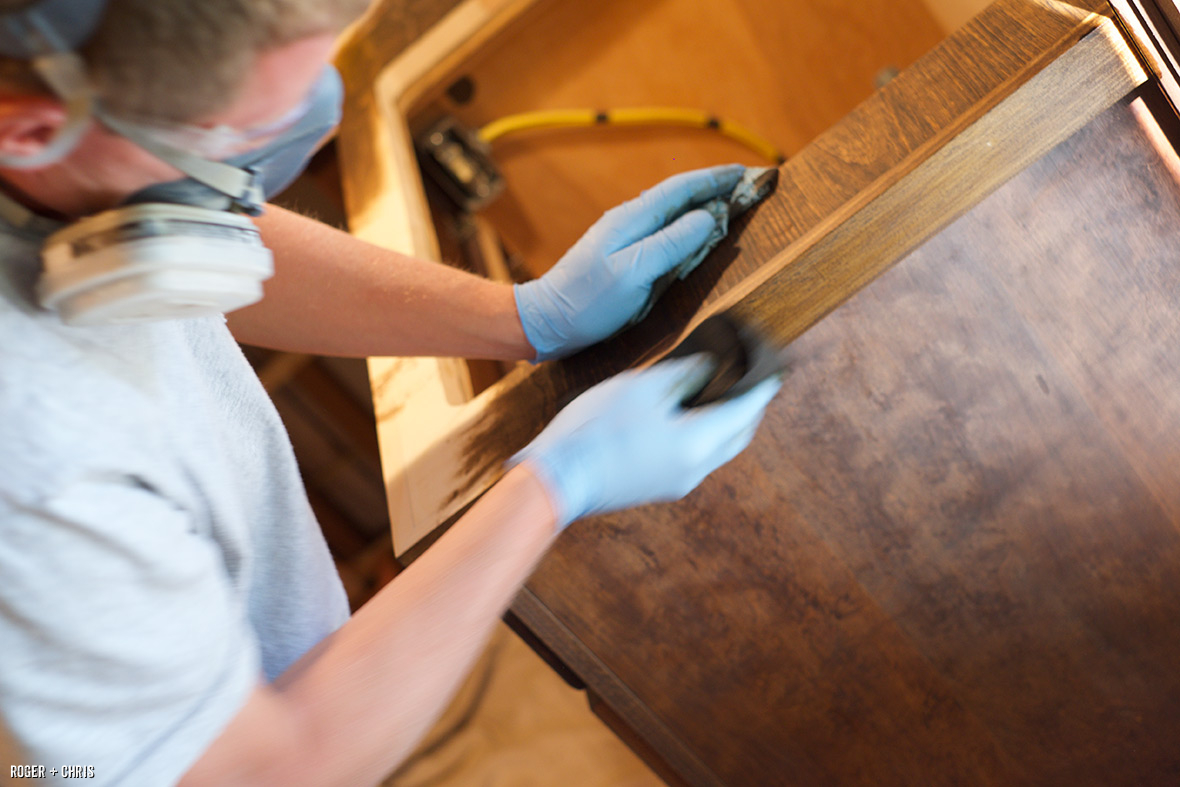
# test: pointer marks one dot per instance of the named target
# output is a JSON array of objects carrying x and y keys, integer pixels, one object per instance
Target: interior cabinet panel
[{"x": 787, "y": 69}]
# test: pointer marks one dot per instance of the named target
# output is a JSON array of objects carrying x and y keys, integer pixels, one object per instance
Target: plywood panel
[
  {"x": 786, "y": 69},
  {"x": 953, "y": 14}
]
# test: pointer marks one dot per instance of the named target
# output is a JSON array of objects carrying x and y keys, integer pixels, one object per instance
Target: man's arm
[
  {"x": 333, "y": 294},
  {"x": 355, "y": 706}
]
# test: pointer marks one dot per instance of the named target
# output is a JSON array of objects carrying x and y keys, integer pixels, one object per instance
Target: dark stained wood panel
[
  {"x": 1133, "y": 274},
  {"x": 951, "y": 554}
]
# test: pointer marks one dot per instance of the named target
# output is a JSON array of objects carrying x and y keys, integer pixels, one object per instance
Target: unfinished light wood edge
[
  {"x": 1059, "y": 90},
  {"x": 396, "y": 215},
  {"x": 387, "y": 206}
]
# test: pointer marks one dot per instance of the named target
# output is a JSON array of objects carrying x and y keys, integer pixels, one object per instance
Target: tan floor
[{"x": 529, "y": 730}]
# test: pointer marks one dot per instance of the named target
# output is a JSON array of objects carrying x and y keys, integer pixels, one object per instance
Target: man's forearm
[
  {"x": 333, "y": 294},
  {"x": 355, "y": 706}
]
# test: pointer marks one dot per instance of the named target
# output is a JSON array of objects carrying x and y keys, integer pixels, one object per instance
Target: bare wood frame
[
  {"x": 994, "y": 97},
  {"x": 386, "y": 205}
]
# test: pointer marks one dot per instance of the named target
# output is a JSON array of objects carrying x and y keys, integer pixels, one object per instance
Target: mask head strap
[
  {"x": 242, "y": 186},
  {"x": 46, "y": 33}
]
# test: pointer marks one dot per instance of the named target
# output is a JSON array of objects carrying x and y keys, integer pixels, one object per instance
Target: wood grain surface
[
  {"x": 984, "y": 104},
  {"x": 951, "y": 555}
]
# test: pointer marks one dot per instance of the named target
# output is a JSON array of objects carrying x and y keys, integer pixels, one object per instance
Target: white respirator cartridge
[{"x": 153, "y": 261}]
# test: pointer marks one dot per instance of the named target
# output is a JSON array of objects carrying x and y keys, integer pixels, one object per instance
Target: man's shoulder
[{"x": 67, "y": 401}]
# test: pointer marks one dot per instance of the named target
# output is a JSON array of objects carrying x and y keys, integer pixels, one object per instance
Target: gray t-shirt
[{"x": 158, "y": 556}]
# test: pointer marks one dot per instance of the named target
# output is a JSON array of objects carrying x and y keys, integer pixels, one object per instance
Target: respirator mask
[{"x": 180, "y": 249}]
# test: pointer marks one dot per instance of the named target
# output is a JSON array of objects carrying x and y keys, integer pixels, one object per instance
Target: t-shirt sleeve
[{"x": 124, "y": 647}]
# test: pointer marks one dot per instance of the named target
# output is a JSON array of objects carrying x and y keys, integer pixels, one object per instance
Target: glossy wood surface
[{"x": 952, "y": 554}]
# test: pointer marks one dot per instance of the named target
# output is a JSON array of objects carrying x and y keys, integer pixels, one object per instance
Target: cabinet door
[{"x": 951, "y": 555}]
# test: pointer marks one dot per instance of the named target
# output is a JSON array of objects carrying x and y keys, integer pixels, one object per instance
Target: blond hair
[{"x": 182, "y": 59}]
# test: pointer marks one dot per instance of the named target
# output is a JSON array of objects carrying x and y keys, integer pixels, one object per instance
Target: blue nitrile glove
[
  {"x": 628, "y": 441},
  {"x": 606, "y": 277}
]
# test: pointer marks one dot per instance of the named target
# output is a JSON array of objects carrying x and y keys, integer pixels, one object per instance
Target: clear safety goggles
[{"x": 222, "y": 141}]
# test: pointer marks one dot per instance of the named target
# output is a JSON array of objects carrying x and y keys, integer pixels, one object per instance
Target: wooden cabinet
[{"x": 951, "y": 555}]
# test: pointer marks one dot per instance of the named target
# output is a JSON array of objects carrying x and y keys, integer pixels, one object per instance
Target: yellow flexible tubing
[{"x": 637, "y": 116}]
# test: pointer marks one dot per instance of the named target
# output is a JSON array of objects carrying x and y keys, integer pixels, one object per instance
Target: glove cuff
[
  {"x": 550, "y": 477},
  {"x": 530, "y": 298}
]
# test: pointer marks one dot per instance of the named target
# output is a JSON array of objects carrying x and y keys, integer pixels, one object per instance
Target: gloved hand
[
  {"x": 605, "y": 278},
  {"x": 628, "y": 441}
]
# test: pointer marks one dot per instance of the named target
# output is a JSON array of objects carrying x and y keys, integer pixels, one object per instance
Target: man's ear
[{"x": 28, "y": 124}]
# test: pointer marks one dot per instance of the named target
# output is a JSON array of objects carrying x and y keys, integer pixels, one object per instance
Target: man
[{"x": 168, "y": 610}]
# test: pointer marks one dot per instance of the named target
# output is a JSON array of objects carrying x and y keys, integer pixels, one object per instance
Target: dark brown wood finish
[{"x": 951, "y": 556}]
